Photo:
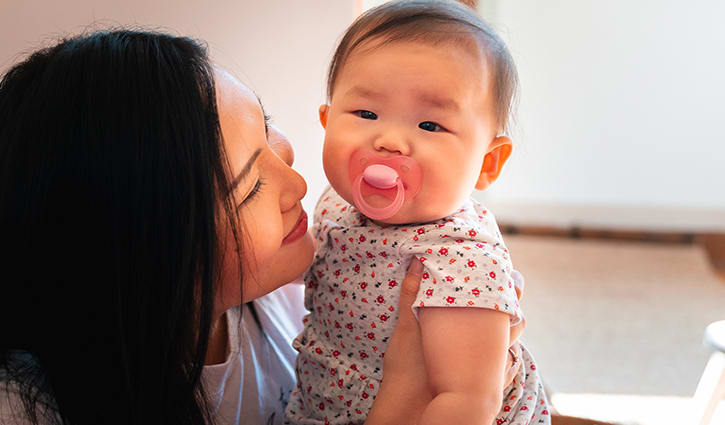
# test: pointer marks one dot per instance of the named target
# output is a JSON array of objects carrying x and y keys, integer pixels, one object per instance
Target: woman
[{"x": 144, "y": 198}]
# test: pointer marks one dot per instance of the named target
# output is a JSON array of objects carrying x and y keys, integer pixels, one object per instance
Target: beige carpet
[{"x": 617, "y": 317}]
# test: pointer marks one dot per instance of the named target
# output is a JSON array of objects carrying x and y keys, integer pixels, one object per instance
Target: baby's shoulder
[{"x": 472, "y": 221}]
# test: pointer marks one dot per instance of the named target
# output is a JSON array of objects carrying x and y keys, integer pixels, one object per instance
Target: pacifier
[{"x": 396, "y": 178}]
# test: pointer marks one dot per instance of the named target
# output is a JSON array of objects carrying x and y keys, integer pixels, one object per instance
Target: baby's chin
[{"x": 412, "y": 212}]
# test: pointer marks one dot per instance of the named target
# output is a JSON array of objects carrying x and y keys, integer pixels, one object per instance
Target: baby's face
[{"x": 430, "y": 103}]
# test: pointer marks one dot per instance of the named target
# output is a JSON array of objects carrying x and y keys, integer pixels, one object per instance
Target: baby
[{"x": 419, "y": 97}]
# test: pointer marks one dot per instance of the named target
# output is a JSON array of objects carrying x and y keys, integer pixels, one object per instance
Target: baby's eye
[
  {"x": 430, "y": 126},
  {"x": 366, "y": 115}
]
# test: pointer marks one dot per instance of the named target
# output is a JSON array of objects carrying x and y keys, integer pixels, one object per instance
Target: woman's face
[{"x": 276, "y": 247}]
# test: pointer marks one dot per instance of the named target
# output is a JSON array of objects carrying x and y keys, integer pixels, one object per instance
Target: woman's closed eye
[
  {"x": 252, "y": 193},
  {"x": 431, "y": 126},
  {"x": 366, "y": 115}
]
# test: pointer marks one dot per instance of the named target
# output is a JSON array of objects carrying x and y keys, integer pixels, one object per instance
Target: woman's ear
[
  {"x": 498, "y": 153},
  {"x": 323, "y": 115}
]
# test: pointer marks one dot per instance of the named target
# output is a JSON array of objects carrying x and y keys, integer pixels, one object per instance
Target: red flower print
[
  {"x": 507, "y": 408},
  {"x": 524, "y": 408},
  {"x": 349, "y": 326},
  {"x": 371, "y": 335},
  {"x": 363, "y": 355},
  {"x": 356, "y": 269},
  {"x": 392, "y": 284},
  {"x": 459, "y": 240},
  {"x": 472, "y": 233},
  {"x": 365, "y": 395},
  {"x": 421, "y": 231},
  {"x": 361, "y": 238},
  {"x": 384, "y": 254},
  {"x": 337, "y": 272},
  {"x": 493, "y": 275},
  {"x": 369, "y": 254},
  {"x": 544, "y": 412},
  {"x": 471, "y": 263},
  {"x": 425, "y": 275},
  {"x": 478, "y": 245},
  {"x": 363, "y": 285},
  {"x": 343, "y": 248},
  {"x": 429, "y": 292},
  {"x": 443, "y": 251},
  {"x": 335, "y": 353},
  {"x": 384, "y": 317},
  {"x": 380, "y": 299},
  {"x": 533, "y": 367},
  {"x": 449, "y": 278},
  {"x": 499, "y": 421},
  {"x": 318, "y": 350},
  {"x": 450, "y": 300},
  {"x": 476, "y": 291},
  {"x": 343, "y": 293},
  {"x": 321, "y": 406},
  {"x": 339, "y": 383}
]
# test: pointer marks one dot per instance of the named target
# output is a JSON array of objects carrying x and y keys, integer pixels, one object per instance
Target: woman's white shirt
[{"x": 254, "y": 383}]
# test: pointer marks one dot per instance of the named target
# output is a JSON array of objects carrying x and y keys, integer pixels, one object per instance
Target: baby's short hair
[{"x": 434, "y": 22}]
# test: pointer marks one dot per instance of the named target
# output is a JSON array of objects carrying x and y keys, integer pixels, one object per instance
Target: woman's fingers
[
  {"x": 404, "y": 392},
  {"x": 408, "y": 293},
  {"x": 513, "y": 364}
]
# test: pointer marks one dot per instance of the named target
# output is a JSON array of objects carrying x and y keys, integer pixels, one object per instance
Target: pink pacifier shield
[{"x": 396, "y": 178}]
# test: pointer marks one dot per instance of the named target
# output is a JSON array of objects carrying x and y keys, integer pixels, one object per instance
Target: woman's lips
[{"x": 298, "y": 231}]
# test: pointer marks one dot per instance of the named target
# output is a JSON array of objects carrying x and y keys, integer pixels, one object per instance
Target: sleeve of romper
[{"x": 465, "y": 264}]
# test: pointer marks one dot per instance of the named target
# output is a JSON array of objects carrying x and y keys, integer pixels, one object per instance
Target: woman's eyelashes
[{"x": 252, "y": 193}]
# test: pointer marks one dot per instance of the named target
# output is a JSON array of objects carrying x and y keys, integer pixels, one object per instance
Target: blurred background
[{"x": 613, "y": 203}]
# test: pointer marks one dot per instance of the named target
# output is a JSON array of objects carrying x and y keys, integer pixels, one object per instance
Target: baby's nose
[{"x": 394, "y": 142}]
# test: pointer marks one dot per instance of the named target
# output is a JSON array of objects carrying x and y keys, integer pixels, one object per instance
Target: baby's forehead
[{"x": 441, "y": 74}]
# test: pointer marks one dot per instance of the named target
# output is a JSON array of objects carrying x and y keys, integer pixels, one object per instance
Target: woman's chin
[{"x": 302, "y": 253}]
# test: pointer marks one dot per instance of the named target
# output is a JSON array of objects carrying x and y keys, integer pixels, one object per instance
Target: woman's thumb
[{"x": 409, "y": 289}]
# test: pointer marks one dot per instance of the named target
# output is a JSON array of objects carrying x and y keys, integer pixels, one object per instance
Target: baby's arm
[{"x": 465, "y": 354}]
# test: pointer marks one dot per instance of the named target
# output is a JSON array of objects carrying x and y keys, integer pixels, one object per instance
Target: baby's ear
[
  {"x": 323, "y": 115},
  {"x": 498, "y": 153}
]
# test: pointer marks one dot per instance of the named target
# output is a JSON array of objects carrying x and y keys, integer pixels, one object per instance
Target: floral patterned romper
[{"x": 352, "y": 291}]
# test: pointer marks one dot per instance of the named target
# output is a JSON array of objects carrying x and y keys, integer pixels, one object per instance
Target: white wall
[
  {"x": 622, "y": 103},
  {"x": 621, "y": 99},
  {"x": 279, "y": 48}
]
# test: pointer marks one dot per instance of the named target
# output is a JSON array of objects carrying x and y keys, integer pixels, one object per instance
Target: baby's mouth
[{"x": 381, "y": 185}]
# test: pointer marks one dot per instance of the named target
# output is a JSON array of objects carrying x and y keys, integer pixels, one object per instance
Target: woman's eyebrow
[{"x": 245, "y": 170}]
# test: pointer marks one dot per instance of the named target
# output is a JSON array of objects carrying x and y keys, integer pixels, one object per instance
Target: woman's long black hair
[{"x": 112, "y": 175}]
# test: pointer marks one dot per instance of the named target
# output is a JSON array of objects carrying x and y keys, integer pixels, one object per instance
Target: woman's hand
[{"x": 404, "y": 392}]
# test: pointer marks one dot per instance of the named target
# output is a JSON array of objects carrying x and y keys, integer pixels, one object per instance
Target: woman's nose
[
  {"x": 293, "y": 185},
  {"x": 294, "y": 189},
  {"x": 393, "y": 141}
]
